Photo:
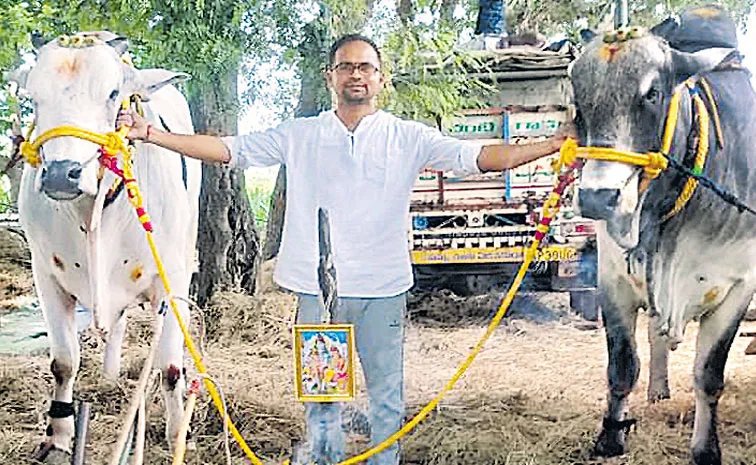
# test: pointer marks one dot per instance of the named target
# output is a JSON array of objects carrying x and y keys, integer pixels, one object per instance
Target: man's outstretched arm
[
  {"x": 206, "y": 148},
  {"x": 500, "y": 157}
]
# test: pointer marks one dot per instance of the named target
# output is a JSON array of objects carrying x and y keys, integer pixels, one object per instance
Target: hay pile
[{"x": 535, "y": 396}]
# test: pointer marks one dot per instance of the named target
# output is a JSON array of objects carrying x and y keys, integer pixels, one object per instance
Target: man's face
[{"x": 355, "y": 76}]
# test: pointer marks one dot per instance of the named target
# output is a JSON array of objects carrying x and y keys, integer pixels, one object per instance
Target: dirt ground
[{"x": 534, "y": 396}]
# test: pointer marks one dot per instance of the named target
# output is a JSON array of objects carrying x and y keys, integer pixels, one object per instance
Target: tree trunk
[
  {"x": 14, "y": 177},
  {"x": 313, "y": 98},
  {"x": 228, "y": 241},
  {"x": 276, "y": 213}
]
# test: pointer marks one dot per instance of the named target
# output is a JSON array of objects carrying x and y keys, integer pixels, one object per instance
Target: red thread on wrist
[{"x": 147, "y": 139}]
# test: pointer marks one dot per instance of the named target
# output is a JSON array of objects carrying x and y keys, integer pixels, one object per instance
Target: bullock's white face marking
[{"x": 623, "y": 225}]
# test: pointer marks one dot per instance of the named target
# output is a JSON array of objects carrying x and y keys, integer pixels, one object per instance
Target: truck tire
[{"x": 585, "y": 304}]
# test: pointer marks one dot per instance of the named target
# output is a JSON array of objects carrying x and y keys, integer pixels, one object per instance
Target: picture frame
[{"x": 324, "y": 362}]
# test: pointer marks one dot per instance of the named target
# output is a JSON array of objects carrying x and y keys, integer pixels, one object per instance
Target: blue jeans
[{"x": 379, "y": 337}]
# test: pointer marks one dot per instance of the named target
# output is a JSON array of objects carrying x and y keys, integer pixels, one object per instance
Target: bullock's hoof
[
  {"x": 707, "y": 456},
  {"x": 610, "y": 443},
  {"x": 49, "y": 454},
  {"x": 613, "y": 438},
  {"x": 656, "y": 394}
]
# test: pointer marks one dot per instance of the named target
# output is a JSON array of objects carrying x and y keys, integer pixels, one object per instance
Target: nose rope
[
  {"x": 111, "y": 142},
  {"x": 653, "y": 163}
]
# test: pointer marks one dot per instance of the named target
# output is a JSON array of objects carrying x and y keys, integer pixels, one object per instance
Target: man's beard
[{"x": 352, "y": 99}]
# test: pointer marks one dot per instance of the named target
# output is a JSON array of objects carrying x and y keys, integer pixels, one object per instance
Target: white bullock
[{"x": 92, "y": 251}]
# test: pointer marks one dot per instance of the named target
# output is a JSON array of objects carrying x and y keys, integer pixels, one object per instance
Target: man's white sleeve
[
  {"x": 263, "y": 148},
  {"x": 445, "y": 153}
]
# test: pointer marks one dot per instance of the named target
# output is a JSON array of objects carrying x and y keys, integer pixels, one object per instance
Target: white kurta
[{"x": 364, "y": 179}]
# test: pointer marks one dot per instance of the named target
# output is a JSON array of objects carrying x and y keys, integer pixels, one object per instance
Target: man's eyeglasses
[{"x": 347, "y": 68}]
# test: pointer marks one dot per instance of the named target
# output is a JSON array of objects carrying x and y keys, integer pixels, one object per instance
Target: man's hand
[
  {"x": 500, "y": 157},
  {"x": 139, "y": 126}
]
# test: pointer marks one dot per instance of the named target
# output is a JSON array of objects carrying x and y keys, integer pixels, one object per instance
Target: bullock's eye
[
  {"x": 653, "y": 96},
  {"x": 113, "y": 95}
]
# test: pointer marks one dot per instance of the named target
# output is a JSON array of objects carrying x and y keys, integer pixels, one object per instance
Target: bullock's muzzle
[
  {"x": 598, "y": 204},
  {"x": 60, "y": 179}
]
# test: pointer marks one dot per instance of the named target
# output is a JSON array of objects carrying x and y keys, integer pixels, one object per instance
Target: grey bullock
[{"x": 699, "y": 263}]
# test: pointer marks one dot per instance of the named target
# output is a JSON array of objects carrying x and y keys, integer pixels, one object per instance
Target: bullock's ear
[
  {"x": 666, "y": 29},
  {"x": 120, "y": 44},
  {"x": 150, "y": 80},
  {"x": 18, "y": 76},
  {"x": 105, "y": 36},
  {"x": 37, "y": 40},
  {"x": 689, "y": 64},
  {"x": 587, "y": 35}
]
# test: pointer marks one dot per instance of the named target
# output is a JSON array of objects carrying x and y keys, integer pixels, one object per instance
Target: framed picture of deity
[{"x": 324, "y": 362}]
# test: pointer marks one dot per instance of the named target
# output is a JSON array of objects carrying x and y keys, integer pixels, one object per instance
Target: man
[{"x": 360, "y": 164}]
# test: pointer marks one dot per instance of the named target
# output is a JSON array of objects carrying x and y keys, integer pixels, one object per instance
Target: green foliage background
[{"x": 212, "y": 39}]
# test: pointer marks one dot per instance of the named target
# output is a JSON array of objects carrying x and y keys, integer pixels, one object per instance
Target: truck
[{"x": 469, "y": 234}]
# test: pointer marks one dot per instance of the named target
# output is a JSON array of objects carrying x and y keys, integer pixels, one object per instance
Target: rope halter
[{"x": 653, "y": 163}]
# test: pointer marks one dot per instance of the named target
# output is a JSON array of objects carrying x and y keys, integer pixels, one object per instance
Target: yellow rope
[
  {"x": 550, "y": 208},
  {"x": 653, "y": 162},
  {"x": 672, "y": 114},
  {"x": 136, "y": 200},
  {"x": 31, "y": 156},
  {"x": 715, "y": 112},
  {"x": 701, "y": 153}
]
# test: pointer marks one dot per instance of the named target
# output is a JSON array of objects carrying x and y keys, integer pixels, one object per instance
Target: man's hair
[{"x": 347, "y": 39}]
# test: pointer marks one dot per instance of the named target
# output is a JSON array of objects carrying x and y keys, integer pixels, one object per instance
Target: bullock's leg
[
  {"x": 58, "y": 308},
  {"x": 170, "y": 361},
  {"x": 619, "y": 313},
  {"x": 715, "y": 336},
  {"x": 658, "y": 382},
  {"x": 112, "y": 364}
]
